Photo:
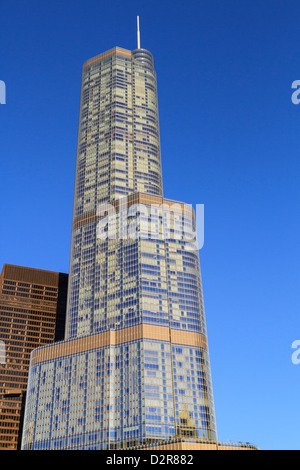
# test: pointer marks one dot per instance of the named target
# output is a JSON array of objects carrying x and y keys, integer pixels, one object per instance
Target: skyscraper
[
  {"x": 32, "y": 313},
  {"x": 134, "y": 366}
]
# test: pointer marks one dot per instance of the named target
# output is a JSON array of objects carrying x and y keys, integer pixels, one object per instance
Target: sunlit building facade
[
  {"x": 32, "y": 314},
  {"x": 133, "y": 368}
]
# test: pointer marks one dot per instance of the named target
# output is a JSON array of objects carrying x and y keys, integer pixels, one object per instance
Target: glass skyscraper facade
[
  {"x": 118, "y": 155},
  {"x": 134, "y": 366}
]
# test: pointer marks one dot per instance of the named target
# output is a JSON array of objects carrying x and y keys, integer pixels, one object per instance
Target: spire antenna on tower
[{"x": 138, "y": 33}]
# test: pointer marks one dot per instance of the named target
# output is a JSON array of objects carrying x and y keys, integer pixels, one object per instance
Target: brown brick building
[{"x": 32, "y": 314}]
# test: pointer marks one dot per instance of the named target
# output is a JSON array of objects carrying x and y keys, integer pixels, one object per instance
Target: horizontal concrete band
[
  {"x": 117, "y": 337},
  {"x": 138, "y": 198}
]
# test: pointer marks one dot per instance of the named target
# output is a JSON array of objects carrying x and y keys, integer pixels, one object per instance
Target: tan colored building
[
  {"x": 32, "y": 314},
  {"x": 180, "y": 444}
]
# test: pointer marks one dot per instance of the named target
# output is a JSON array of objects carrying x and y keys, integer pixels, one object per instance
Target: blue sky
[{"x": 230, "y": 141}]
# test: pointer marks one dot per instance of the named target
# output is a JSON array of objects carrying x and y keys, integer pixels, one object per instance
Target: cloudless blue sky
[{"x": 230, "y": 140}]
